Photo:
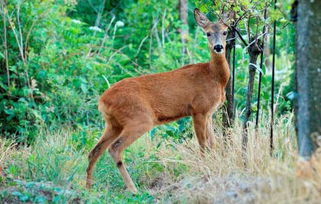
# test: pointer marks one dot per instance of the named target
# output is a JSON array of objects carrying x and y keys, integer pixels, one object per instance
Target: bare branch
[{"x": 240, "y": 36}]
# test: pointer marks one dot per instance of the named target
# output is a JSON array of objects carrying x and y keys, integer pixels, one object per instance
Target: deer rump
[{"x": 163, "y": 97}]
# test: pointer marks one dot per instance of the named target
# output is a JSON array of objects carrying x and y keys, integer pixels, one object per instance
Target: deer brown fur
[{"x": 133, "y": 106}]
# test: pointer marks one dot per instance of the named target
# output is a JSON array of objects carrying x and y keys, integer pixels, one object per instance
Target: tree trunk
[
  {"x": 228, "y": 110},
  {"x": 308, "y": 77},
  {"x": 254, "y": 51},
  {"x": 183, "y": 14}
]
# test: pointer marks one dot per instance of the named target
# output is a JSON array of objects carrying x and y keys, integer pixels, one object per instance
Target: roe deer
[{"x": 133, "y": 106}]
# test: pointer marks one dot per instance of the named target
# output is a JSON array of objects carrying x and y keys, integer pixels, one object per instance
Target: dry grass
[
  {"x": 222, "y": 177},
  {"x": 6, "y": 151}
]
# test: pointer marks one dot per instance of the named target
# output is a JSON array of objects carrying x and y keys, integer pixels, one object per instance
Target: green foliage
[
  {"x": 60, "y": 76},
  {"x": 74, "y": 50}
]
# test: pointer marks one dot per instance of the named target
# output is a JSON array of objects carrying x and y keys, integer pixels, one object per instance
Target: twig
[
  {"x": 140, "y": 45},
  {"x": 156, "y": 35},
  {"x": 107, "y": 82},
  {"x": 257, "y": 67},
  {"x": 106, "y": 34},
  {"x": 20, "y": 34},
  {"x": 5, "y": 43},
  {"x": 97, "y": 22},
  {"x": 163, "y": 28},
  {"x": 118, "y": 50},
  {"x": 239, "y": 19},
  {"x": 255, "y": 40},
  {"x": 240, "y": 36},
  {"x": 142, "y": 42}
]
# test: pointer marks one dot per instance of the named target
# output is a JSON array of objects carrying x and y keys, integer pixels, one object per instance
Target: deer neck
[{"x": 219, "y": 67}]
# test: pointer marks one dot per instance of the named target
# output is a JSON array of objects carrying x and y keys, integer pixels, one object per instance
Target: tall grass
[
  {"x": 222, "y": 177},
  {"x": 165, "y": 171}
]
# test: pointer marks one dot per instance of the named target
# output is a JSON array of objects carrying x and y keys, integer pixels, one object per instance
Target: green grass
[{"x": 56, "y": 164}]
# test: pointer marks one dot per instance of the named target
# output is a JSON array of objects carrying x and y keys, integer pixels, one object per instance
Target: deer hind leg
[
  {"x": 131, "y": 132},
  {"x": 108, "y": 137},
  {"x": 199, "y": 121}
]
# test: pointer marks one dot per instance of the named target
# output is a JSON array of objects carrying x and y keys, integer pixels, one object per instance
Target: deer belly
[{"x": 169, "y": 114}]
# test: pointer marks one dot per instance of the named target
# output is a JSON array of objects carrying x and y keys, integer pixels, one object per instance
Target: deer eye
[
  {"x": 225, "y": 33},
  {"x": 208, "y": 34}
]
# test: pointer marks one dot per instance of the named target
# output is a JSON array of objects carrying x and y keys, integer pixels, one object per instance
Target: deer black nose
[{"x": 218, "y": 48}]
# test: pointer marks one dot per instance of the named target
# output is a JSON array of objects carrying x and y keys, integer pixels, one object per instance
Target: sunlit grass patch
[{"x": 57, "y": 158}]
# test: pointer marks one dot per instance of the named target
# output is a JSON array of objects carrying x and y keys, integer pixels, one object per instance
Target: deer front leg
[
  {"x": 199, "y": 121},
  {"x": 210, "y": 132}
]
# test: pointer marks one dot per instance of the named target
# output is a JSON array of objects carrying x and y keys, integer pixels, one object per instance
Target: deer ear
[{"x": 200, "y": 18}]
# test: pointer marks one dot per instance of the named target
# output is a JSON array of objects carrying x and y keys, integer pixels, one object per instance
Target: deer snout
[{"x": 218, "y": 48}]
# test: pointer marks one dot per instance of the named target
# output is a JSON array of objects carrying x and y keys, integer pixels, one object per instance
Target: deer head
[{"x": 216, "y": 32}]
